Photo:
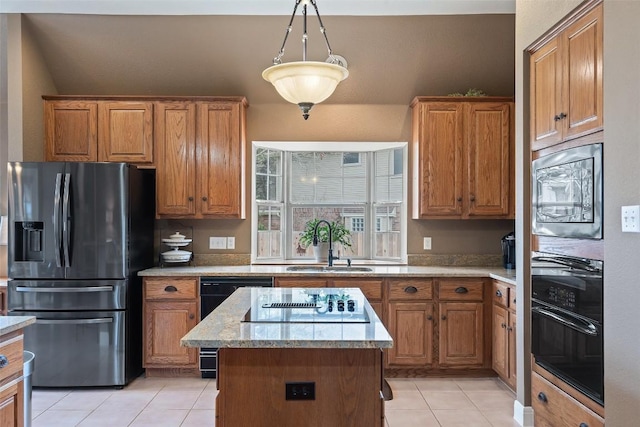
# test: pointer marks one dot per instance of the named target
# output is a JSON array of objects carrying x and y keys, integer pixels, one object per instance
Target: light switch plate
[
  {"x": 630, "y": 216},
  {"x": 231, "y": 242},
  {"x": 217, "y": 243}
]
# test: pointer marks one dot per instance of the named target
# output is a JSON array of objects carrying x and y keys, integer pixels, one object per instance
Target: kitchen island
[{"x": 296, "y": 356}]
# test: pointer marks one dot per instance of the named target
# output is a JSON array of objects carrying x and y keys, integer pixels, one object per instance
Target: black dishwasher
[{"x": 213, "y": 291}]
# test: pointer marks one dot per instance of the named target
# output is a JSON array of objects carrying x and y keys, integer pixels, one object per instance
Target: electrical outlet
[
  {"x": 231, "y": 242},
  {"x": 426, "y": 244},
  {"x": 300, "y": 391},
  {"x": 217, "y": 243},
  {"x": 630, "y": 219}
]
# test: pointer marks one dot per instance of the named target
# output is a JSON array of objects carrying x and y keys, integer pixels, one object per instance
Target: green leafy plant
[
  {"x": 339, "y": 233},
  {"x": 470, "y": 92}
]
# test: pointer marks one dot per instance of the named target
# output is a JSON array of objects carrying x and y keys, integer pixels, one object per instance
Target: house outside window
[{"x": 294, "y": 183}]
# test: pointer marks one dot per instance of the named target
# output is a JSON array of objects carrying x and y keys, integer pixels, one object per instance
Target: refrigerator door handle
[
  {"x": 29, "y": 289},
  {"x": 74, "y": 321},
  {"x": 65, "y": 219},
  {"x": 56, "y": 220}
]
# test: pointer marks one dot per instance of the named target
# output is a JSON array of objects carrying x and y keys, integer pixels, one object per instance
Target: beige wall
[{"x": 621, "y": 177}]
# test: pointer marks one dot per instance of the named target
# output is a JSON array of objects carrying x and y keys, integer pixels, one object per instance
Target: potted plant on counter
[{"x": 339, "y": 234}]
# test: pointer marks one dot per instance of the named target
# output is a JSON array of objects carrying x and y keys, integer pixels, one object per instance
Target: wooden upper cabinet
[
  {"x": 220, "y": 159},
  {"x": 489, "y": 159},
  {"x": 175, "y": 137},
  {"x": 440, "y": 158},
  {"x": 566, "y": 82},
  {"x": 125, "y": 132},
  {"x": 71, "y": 131},
  {"x": 463, "y": 156}
]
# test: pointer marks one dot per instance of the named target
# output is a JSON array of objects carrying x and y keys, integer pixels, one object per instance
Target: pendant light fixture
[{"x": 306, "y": 83}]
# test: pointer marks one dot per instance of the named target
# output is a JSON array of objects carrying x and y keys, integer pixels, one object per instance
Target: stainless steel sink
[{"x": 326, "y": 269}]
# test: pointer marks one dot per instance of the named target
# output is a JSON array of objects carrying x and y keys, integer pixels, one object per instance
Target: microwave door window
[{"x": 565, "y": 193}]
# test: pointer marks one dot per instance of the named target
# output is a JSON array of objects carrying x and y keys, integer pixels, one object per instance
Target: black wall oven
[{"x": 567, "y": 321}]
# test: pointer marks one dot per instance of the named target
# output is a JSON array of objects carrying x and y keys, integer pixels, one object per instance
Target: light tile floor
[{"x": 178, "y": 402}]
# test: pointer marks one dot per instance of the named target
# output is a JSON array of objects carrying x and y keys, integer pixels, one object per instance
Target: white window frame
[{"x": 312, "y": 146}]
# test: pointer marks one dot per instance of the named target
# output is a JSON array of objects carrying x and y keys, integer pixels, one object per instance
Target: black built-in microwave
[{"x": 567, "y": 193}]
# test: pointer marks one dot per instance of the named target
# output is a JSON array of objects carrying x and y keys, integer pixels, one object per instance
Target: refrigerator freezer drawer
[
  {"x": 76, "y": 349},
  {"x": 40, "y": 295}
]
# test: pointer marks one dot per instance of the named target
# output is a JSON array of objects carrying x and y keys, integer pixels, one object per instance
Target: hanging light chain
[{"x": 278, "y": 59}]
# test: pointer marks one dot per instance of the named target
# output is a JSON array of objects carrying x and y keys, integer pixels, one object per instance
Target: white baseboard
[{"x": 522, "y": 414}]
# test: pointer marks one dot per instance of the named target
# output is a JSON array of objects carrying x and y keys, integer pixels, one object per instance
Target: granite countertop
[
  {"x": 224, "y": 326},
  {"x": 13, "y": 323},
  {"x": 508, "y": 276}
]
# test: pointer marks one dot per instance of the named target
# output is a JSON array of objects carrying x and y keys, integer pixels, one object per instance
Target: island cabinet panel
[
  {"x": 566, "y": 81},
  {"x": 125, "y": 132},
  {"x": 71, "y": 131},
  {"x": 252, "y": 381},
  {"x": 463, "y": 157},
  {"x": 170, "y": 309}
]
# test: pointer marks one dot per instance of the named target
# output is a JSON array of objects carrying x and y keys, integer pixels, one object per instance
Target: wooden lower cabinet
[
  {"x": 504, "y": 332},
  {"x": 461, "y": 333},
  {"x": 411, "y": 326},
  {"x": 11, "y": 383},
  {"x": 170, "y": 311},
  {"x": 461, "y": 328},
  {"x": 300, "y": 282},
  {"x": 553, "y": 407},
  {"x": 252, "y": 385}
]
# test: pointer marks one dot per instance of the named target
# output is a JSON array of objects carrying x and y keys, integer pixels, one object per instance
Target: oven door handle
[
  {"x": 74, "y": 321},
  {"x": 69, "y": 290},
  {"x": 585, "y": 327}
]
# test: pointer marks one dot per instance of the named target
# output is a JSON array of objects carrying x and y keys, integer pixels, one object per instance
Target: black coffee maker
[{"x": 509, "y": 250}]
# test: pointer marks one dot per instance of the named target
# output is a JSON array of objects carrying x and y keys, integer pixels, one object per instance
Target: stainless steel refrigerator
[{"x": 78, "y": 235}]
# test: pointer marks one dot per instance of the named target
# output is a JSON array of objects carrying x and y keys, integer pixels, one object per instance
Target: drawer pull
[
  {"x": 411, "y": 289},
  {"x": 542, "y": 397},
  {"x": 171, "y": 288},
  {"x": 461, "y": 290},
  {"x": 499, "y": 293},
  {"x": 3, "y": 361}
]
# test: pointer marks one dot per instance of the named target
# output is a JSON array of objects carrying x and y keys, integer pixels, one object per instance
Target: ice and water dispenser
[{"x": 29, "y": 241}]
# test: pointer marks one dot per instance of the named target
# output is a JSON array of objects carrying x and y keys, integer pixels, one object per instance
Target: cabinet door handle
[
  {"x": 473, "y": 198},
  {"x": 171, "y": 288},
  {"x": 190, "y": 198},
  {"x": 503, "y": 325},
  {"x": 3, "y": 361},
  {"x": 542, "y": 397},
  {"x": 192, "y": 316},
  {"x": 429, "y": 317},
  {"x": 514, "y": 300},
  {"x": 461, "y": 290},
  {"x": 444, "y": 317},
  {"x": 459, "y": 199},
  {"x": 411, "y": 289},
  {"x": 204, "y": 198},
  {"x": 509, "y": 328},
  {"x": 499, "y": 293}
]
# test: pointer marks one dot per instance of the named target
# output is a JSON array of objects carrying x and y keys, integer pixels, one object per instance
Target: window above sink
[{"x": 362, "y": 185}]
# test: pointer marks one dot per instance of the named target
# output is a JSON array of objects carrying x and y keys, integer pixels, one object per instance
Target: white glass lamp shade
[{"x": 305, "y": 81}]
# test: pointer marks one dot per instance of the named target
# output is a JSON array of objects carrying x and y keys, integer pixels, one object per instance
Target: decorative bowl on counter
[{"x": 176, "y": 241}]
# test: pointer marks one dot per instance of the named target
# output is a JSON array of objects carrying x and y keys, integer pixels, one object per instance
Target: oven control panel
[{"x": 562, "y": 297}]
